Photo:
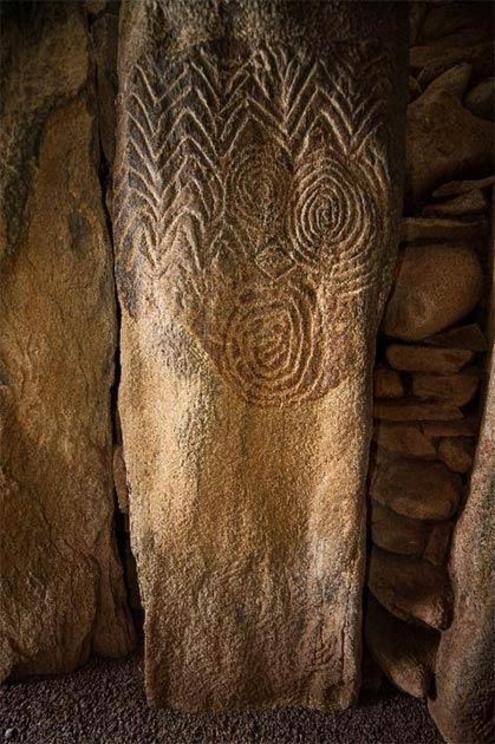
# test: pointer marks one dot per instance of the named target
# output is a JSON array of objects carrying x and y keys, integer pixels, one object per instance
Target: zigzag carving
[{"x": 251, "y": 195}]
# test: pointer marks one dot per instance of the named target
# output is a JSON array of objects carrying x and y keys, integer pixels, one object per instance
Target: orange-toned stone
[
  {"x": 463, "y": 337},
  {"x": 414, "y": 410},
  {"x": 440, "y": 361},
  {"x": 438, "y": 543},
  {"x": 411, "y": 589},
  {"x": 387, "y": 383},
  {"x": 457, "y": 389},
  {"x": 436, "y": 286},
  {"x": 457, "y": 453},
  {"x": 404, "y": 439},
  {"x": 416, "y": 489},
  {"x": 405, "y": 652},
  {"x": 396, "y": 533}
]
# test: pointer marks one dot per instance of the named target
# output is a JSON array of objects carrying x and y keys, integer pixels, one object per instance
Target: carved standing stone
[
  {"x": 61, "y": 588},
  {"x": 255, "y": 208}
]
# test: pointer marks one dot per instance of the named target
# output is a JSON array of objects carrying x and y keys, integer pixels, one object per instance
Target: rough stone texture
[
  {"x": 445, "y": 141},
  {"x": 457, "y": 453},
  {"x": 466, "y": 427},
  {"x": 104, "y": 33},
  {"x": 480, "y": 99},
  {"x": 405, "y": 653},
  {"x": 457, "y": 389},
  {"x": 464, "y": 337},
  {"x": 422, "y": 229},
  {"x": 61, "y": 594},
  {"x": 465, "y": 670},
  {"x": 404, "y": 439},
  {"x": 119, "y": 479},
  {"x": 436, "y": 286},
  {"x": 472, "y": 203},
  {"x": 395, "y": 533},
  {"x": 413, "y": 410},
  {"x": 387, "y": 383},
  {"x": 455, "y": 80},
  {"x": 437, "y": 547},
  {"x": 427, "y": 359},
  {"x": 255, "y": 211},
  {"x": 432, "y": 60},
  {"x": 420, "y": 490},
  {"x": 411, "y": 589},
  {"x": 452, "y": 188}
]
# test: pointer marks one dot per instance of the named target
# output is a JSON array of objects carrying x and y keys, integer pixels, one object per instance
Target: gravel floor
[{"x": 104, "y": 702}]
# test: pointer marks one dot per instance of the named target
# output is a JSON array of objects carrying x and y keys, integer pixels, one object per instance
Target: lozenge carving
[{"x": 251, "y": 191}]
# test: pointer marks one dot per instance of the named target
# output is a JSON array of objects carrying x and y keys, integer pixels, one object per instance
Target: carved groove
[{"x": 252, "y": 194}]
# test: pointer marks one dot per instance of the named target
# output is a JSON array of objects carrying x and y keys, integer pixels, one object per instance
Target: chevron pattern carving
[{"x": 252, "y": 193}]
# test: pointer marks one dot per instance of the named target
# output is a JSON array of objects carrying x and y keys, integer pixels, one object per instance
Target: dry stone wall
[{"x": 431, "y": 363}]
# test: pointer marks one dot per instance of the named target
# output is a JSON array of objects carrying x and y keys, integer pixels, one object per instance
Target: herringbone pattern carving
[{"x": 252, "y": 193}]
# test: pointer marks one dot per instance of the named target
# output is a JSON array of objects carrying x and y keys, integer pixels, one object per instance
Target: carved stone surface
[
  {"x": 465, "y": 672},
  {"x": 255, "y": 208},
  {"x": 61, "y": 589}
]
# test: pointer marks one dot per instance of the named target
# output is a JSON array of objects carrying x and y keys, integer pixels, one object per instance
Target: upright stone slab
[
  {"x": 463, "y": 706},
  {"x": 256, "y": 204},
  {"x": 61, "y": 588}
]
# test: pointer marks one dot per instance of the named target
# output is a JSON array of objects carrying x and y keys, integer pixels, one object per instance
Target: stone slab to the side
[
  {"x": 61, "y": 589},
  {"x": 256, "y": 207},
  {"x": 465, "y": 671}
]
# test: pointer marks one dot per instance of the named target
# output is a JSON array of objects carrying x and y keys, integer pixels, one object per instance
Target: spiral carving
[
  {"x": 332, "y": 219},
  {"x": 257, "y": 185},
  {"x": 270, "y": 344}
]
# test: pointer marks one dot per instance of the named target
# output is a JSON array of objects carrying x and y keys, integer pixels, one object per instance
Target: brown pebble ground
[{"x": 104, "y": 703}]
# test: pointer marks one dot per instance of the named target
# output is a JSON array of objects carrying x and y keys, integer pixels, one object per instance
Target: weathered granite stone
[
  {"x": 465, "y": 669},
  {"x": 457, "y": 389},
  {"x": 466, "y": 427},
  {"x": 416, "y": 229},
  {"x": 444, "y": 361},
  {"x": 414, "y": 410},
  {"x": 405, "y": 653},
  {"x": 438, "y": 543},
  {"x": 411, "y": 589},
  {"x": 404, "y": 439},
  {"x": 436, "y": 286},
  {"x": 61, "y": 594},
  {"x": 387, "y": 383},
  {"x": 457, "y": 453},
  {"x": 119, "y": 479},
  {"x": 464, "y": 337},
  {"x": 471, "y": 203},
  {"x": 444, "y": 141},
  {"x": 428, "y": 61},
  {"x": 255, "y": 211},
  {"x": 455, "y": 80},
  {"x": 396, "y": 533},
  {"x": 416, "y": 489}
]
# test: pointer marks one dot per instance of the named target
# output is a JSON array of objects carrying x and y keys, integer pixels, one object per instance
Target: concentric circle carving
[
  {"x": 271, "y": 343},
  {"x": 333, "y": 219},
  {"x": 257, "y": 185}
]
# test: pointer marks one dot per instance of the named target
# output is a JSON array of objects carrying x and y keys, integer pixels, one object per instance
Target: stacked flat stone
[{"x": 431, "y": 352}]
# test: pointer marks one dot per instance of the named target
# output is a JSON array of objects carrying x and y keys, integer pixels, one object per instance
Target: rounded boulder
[{"x": 437, "y": 285}]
